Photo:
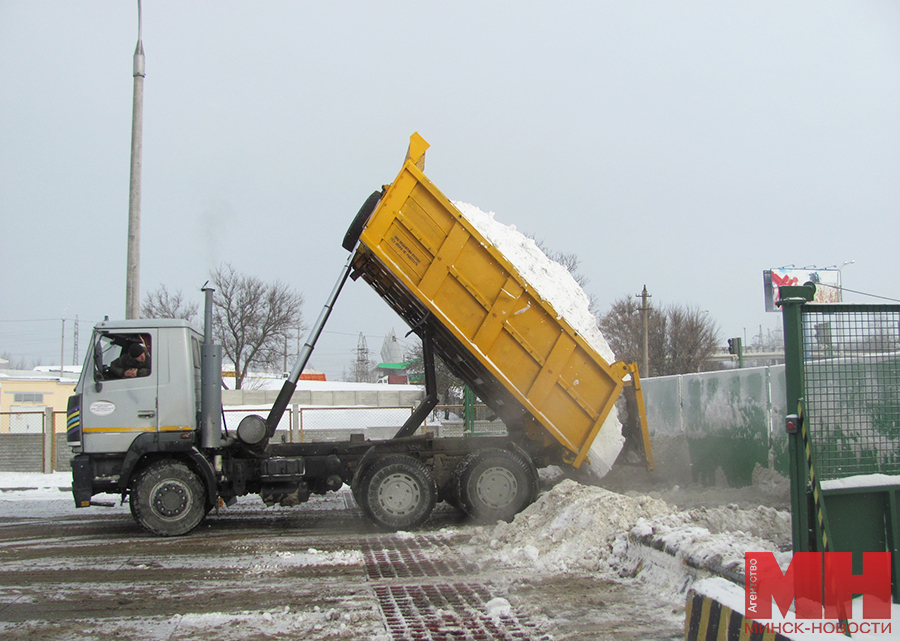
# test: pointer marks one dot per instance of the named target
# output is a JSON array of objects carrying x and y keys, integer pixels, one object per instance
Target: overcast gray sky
[{"x": 686, "y": 146}]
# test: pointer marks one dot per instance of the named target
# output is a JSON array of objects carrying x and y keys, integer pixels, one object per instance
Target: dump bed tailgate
[{"x": 432, "y": 265}]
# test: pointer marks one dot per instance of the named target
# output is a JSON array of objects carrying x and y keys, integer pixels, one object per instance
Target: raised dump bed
[{"x": 435, "y": 266}]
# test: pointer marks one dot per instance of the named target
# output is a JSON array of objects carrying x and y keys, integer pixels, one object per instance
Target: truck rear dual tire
[
  {"x": 396, "y": 492},
  {"x": 168, "y": 499},
  {"x": 494, "y": 485}
]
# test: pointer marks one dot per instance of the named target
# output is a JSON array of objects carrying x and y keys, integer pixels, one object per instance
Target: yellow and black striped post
[
  {"x": 822, "y": 529},
  {"x": 705, "y": 619}
]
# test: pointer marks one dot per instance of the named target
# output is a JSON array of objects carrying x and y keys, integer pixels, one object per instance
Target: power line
[
  {"x": 845, "y": 289},
  {"x": 367, "y": 334}
]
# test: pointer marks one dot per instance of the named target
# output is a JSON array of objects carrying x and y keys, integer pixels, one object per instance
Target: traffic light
[{"x": 734, "y": 347}]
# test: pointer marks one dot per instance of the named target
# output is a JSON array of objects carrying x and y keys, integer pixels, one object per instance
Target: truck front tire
[
  {"x": 168, "y": 499},
  {"x": 495, "y": 485},
  {"x": 397, "y": 492}
]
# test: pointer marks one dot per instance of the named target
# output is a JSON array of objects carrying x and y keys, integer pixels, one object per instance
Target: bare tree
[
  {"x": 14, "y": 362},
  {"x": 680, "y": 339},
  {"x": 623, "y": 328},
  {"x": 691, "y": 339},
  {"x": 771, "y": 341},
  {"x": 252, "y": 319},
  {"x": 161, "y": 304}
]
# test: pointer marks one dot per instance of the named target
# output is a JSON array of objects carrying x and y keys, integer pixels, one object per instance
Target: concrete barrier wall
[
  {"x": 21, "y": 452},
  {"x": 701, "y": 425},
  {"x": 389, "y": 397},
  {"x": 25, "y": 452},
  {"x": 729, "y": 421}
]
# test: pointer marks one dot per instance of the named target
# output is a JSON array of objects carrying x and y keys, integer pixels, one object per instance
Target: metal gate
[{"x": 842, "y": 366}]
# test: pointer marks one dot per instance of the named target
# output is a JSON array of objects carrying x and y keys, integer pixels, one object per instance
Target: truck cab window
[{"x": 122, "y": 356}]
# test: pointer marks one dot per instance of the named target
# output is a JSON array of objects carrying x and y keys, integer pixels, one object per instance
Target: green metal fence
[
  {"x": 842, "y": 373},
  {"x": 851, "y": 372}
]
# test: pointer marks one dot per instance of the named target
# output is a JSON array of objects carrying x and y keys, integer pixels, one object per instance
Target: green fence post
[
  {"x": 792, "y": 301},
  {"x": 468, "y": 410}
]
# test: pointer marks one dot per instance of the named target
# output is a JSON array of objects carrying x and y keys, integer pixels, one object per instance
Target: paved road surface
[{"x": 313, "y": 572}]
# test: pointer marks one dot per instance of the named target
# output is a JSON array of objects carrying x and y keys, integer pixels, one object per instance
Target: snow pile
[
  {"x": 313, "y": 557},
  {"x": 498, "y": 607},
  {"x": 554, "y": 284},
  {"x": 571, "y": 527},
  {"x": 574, "y": 528},
  {"x": 862, "y": 481},
  {"x": 714, "y": 539},
  {"x": 774, "y": 526}
]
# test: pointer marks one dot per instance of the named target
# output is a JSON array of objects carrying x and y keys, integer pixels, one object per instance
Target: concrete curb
[
  {"x": 714, "y": 591},
  {"x": 714, "y": 566},
  {"x": 29, "y": 489},
  {"x": 707, "y": 617}
]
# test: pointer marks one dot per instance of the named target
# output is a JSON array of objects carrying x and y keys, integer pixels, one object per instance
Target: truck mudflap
[{"x": 82, "y": 480}]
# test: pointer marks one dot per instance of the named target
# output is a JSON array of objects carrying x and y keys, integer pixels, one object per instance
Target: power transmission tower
[
  {"x": 75, "y": 342},
  {"x": 362, "y": 367}
]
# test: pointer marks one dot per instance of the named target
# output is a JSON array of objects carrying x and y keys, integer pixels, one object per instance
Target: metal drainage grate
[
  {"x": 442, "y": 612},
  {"x": 393, "y": 558}
]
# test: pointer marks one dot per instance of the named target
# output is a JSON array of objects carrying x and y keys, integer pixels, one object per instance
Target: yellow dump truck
[{"x": 495, "y": 326}]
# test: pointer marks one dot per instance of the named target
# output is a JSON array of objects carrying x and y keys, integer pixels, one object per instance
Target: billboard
[{"x": 828, "y": 284}]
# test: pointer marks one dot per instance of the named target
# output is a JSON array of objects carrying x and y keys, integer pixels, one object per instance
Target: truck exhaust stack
[{"x": 210, "y": 380}]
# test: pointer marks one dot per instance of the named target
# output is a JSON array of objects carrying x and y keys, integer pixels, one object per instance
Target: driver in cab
[{"x": 131, "y": 364}]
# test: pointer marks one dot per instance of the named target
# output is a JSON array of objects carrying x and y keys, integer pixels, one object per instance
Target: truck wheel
[
  {"x": 397, "y": 492},
  {"x": 496, "y": 484},
  {"x": 450, "y": 492},
  {"x": 362, "y": 217},
  {"x": 168, "y": 499}
]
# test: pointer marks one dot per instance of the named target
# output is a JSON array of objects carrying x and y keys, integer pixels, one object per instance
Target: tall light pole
[
  {"x": 840, "y": 279},
  {"x": 133, "y": 266},
  {"x": 645, "y": 347}
]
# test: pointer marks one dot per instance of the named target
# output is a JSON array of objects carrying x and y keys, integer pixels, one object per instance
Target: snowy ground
[{"x": 568, "y": 567}]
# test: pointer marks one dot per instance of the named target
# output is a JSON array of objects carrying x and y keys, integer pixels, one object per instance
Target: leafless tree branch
[
  {"x": 161, "y": 304},
  {"x": 253, "y": 319},
  {"x": 680, "y": 339}
]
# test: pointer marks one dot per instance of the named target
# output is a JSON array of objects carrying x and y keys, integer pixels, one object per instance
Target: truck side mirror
[{"x": 98, "y": 366}]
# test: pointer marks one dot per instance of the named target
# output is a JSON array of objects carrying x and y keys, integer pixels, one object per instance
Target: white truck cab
[
  {"x": 133, "y": 423},
  {"x": 116, "y": 409}
]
